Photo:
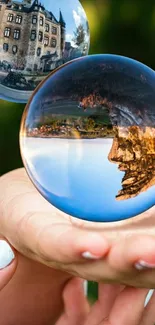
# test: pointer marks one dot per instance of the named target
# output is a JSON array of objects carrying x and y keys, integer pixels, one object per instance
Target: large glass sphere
[
  {"x": 88, "y": 138},
  {"x": 35, "y": 38}
]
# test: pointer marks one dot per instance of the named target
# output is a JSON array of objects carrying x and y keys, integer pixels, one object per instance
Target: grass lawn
[{"x": 92, "y": 292}]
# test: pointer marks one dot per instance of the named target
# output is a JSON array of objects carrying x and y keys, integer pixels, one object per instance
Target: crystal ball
[
  {"x": 88, "y": 138},
  {"x": 35, "y": 39}
]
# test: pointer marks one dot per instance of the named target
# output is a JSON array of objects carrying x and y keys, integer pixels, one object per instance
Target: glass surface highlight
[
  {"x": 88, "y": 138},
  {"x": 36, "y": 38}
]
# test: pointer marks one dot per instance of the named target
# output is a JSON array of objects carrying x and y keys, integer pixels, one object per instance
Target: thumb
[
  {"x": 43, "y": 232},
  {"x": 8, "y": 263}
]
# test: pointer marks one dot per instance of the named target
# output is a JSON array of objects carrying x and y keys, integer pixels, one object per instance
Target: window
[
  {"x": 5, "y": 47},
  {"x": 54, "y": 30},
  {"x": 53, "y": 42},
  {"x": 18, "y": 19},
  {"x": 10, "y": 17},
  {"x": 38, "y": 51},
  {"x": 46, "y": 41},
  {"x": 41, "y": 21},
  {"x": 7, "y": 32},
  {"x": 40, "y": 36},
  {"x": 33, "y": 35},
  {"x": 34, "y": 19},
  {"x": 47, "y": 28},
  {"x": 14, "y": 49},
  {"x": 16, "y": 34}
]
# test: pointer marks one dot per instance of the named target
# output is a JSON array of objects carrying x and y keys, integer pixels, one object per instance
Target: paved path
[{"x": 13, "y": 95}]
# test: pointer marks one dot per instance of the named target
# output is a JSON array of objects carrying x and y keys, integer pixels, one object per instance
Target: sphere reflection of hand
[{"x": 133, "y": 149}]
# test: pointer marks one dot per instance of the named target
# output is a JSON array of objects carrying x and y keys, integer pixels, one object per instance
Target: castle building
[{"x": 30, "y": 34}]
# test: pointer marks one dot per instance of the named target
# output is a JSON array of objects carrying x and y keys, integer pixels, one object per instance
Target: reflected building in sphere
[
  {"x": 32, "y": 43},
  {"x": 23, "y": 28},
  {"x": 88, "y": 138}
]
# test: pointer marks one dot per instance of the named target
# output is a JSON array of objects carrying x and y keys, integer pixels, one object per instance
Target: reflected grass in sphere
[
  {"x": 88, "y": 138},
  {"x": 36, "y": 38}
]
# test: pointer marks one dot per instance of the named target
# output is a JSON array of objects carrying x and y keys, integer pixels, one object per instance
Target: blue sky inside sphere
[{"x": 89, "y": 182}]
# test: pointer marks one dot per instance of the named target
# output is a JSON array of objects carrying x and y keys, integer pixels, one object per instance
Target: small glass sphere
[
  {"x": 36, "y": 38},
  {"x": 88, "y": 138}
]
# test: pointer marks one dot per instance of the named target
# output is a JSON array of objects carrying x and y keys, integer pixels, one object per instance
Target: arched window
[
  {"x": 5, "y": 47},
  {"x": 54, "y": 30},
  {"x": 14, "y": 49},
  {"x": 34, "y": 19},
  {"x": 53, "y": 42},
  {"x": 16, "y": 34},
  {"x": 19, "y": 19},
  {"x": 33, "y": 35},
  {"x": 38, "y": 51},
  {"x": 41, "y": 21},
  {"x": 10, "y": 17},
  {"x": 7, "y": 32},
  {"x": 40, "y": 36},
  {"x": 47, "y": 28},
  {"x": 46, "y": 40}
]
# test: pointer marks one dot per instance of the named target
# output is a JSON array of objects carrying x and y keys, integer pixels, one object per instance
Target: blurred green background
[{"x": 125, "y": 27}]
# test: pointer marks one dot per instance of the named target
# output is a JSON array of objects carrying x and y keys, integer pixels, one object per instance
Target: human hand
[
  {"x": 41, "y": 232},
  {"x": 115, "y": 305}
]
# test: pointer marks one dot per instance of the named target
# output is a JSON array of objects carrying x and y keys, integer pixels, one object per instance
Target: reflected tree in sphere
[{"x": 88, "y": 138}]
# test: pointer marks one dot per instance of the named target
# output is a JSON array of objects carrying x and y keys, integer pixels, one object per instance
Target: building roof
[{"x": 61, "y": 20}]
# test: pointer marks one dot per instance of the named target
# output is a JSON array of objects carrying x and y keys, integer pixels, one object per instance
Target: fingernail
[
  {"x": 90, "y": 256},
  {"x": 85, "y": 287},
  {"x": 142, "y": 265},
  {"x": 149, "y": 296},
  {"x": 6, "y": 254}
]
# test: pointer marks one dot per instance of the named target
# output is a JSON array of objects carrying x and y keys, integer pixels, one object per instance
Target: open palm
[{"x": 99, "y": 252}]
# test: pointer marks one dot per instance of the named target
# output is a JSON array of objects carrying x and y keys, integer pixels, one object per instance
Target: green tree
[
  {"x": 79, "y": 35},
  {"x": 90, "y": 124}
]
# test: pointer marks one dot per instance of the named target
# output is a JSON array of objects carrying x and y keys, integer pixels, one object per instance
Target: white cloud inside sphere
[
  {"x": 69, "y": 38},
  {"x": 79, "y": 16}
]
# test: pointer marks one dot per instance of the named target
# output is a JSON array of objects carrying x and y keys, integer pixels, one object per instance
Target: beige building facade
[{"x": 30, "y": 35}]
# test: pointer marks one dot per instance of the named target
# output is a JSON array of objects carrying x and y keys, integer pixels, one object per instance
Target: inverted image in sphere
[
  {"x": 36, "y": 37},
  {"x": 88, "y": 138}
]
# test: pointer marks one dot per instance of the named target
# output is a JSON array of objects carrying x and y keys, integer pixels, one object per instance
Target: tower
[{"x": 63, "y": 31}]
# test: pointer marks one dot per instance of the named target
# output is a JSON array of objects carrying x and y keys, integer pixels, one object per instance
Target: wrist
[{"x": 34, "y": 295}]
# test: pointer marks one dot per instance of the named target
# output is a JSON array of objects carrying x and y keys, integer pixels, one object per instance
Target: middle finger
[{"x": 101, "y": 309}]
